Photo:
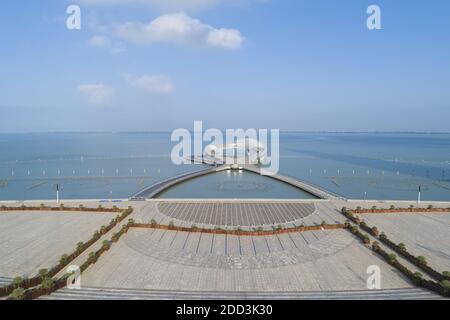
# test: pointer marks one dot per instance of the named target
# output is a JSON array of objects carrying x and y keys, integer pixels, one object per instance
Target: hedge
[
  {"x": 36, "y": 292},
  {"x": 35, "y": 281},
  {"x": 400, "y": 210},
  {"x": 411, "y": 258},
  {"x": 238, "y": 232},
  {"x": 414, "y": 277}
]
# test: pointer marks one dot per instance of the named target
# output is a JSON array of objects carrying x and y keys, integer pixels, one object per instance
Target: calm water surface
[{"x": 117, "y": 165}]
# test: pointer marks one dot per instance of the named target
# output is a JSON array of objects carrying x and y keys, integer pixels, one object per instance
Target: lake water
[
  {"x": 117, "y": 165},
  {"x": 233, "y": 184}
]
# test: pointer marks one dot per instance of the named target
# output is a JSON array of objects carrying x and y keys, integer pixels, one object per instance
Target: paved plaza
[
  {"x": 153, "y": 263},
  {"x": 424, "y": 234},
  {"x": 169, "y": 260},
  {"x": 237, "y": 214},
  {"x": 31, "y": 240}
]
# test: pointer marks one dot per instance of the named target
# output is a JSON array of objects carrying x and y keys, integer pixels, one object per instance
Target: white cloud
[
  {"x": 101, "y": 41},
  {"x": 97, "y": 94},
  {"x": 153, "y": 84},
  {"x": 179, "y": 28}
]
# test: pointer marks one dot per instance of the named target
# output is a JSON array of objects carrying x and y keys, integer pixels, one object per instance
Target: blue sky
[{"x": 154, "y": 65}]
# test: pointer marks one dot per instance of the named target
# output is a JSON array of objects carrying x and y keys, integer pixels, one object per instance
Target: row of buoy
[
  {"x": 74, "y": 172},
  {"x": 353, "y": 172}
]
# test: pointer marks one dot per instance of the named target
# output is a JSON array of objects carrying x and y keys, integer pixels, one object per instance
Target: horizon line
[{"x": 281, "y": 131}]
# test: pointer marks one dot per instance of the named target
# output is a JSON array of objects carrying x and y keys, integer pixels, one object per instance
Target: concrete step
[
  {"x": 4, "y": 281},
  {"x": 140, "y": 294}
]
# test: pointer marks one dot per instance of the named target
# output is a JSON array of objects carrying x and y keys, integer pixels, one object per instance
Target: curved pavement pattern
[
  {"x": 230, "y": 214},
  {"x": 234, "y": 252},
  {"x": 170, "y": 260}
]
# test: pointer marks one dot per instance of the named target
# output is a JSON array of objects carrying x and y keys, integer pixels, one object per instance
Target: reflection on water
[
  {"x": 375, "y": 166},
  {"x": 234, "y": 185}
]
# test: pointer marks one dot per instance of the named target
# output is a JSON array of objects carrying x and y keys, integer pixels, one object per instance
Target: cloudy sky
[{"x": 157, "y": 65}]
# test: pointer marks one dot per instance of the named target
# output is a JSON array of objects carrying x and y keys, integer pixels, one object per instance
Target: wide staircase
[{"x": 138, "y": 294}]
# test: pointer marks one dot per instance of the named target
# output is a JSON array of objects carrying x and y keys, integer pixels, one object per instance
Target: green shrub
[
  {"x": 48, "y": 284},
  {"x": 375, "y": 231},
  {"x": 402, "y": 247},
  {"x": 446, "y": 274},
  {"x": 366, "y": 240},
  {"x": 92, "y": 257},
  {"x": 374, "y": 208},
  {"x": 445, "y": 284},
  {"x": 43, "y": 273},
  {"x": 106, "y": 244},
  {"x": 80, "y": 246},
  {"x": 103, "y": 229},
  {"x": 323, "y": 223},
  {"x": 64, "y": 259},
  {"x": 422, "y": 260},
  {"x": 18, "y": 294},
  {"x": 17, "y": 282},
  {"x": 392, "y": 258},
  {"x": 344, "y": 209},
  {"x": 392, "y": 207},
  {"x": 153, "y": 222},
  {"x": 171, "y": 224},
  {"x": 417, "y": 277},
  {"x": 375, "y": 245},
  {"x": 430, "y": 206}
]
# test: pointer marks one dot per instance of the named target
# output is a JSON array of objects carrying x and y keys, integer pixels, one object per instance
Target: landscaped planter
[
  {"x": 239, "y": 232},
  {"x": 35, "y": 281},
  {"x": 399, "y": 210}
]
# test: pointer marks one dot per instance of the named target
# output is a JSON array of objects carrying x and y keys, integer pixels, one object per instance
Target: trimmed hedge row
[
  {"x": 42, "y": 207},
  {"x": 238, "y": 232},
  {"x": 411, "y": 209},
  {"x": 401, "y": 250},
  {"x": 37, "y": 292},
  {"x": 350, "y": 216},
  {"x": 418, "y": 262},
  {"x": 441, "y": 288},
  {"x": 355, "y": 230},
  {"x": 65, "y": 259}
]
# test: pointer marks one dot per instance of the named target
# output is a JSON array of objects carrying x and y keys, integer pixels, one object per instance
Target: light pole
[
  {"x": 57, "y": 193},
  {"x": 418, "y": 196}
]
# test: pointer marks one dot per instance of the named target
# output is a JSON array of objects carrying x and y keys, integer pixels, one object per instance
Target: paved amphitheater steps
[
  {"x": 139, "y": 294},
  {"x": 248, "y": 214},
  {"x": 4, "y": 281}
]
